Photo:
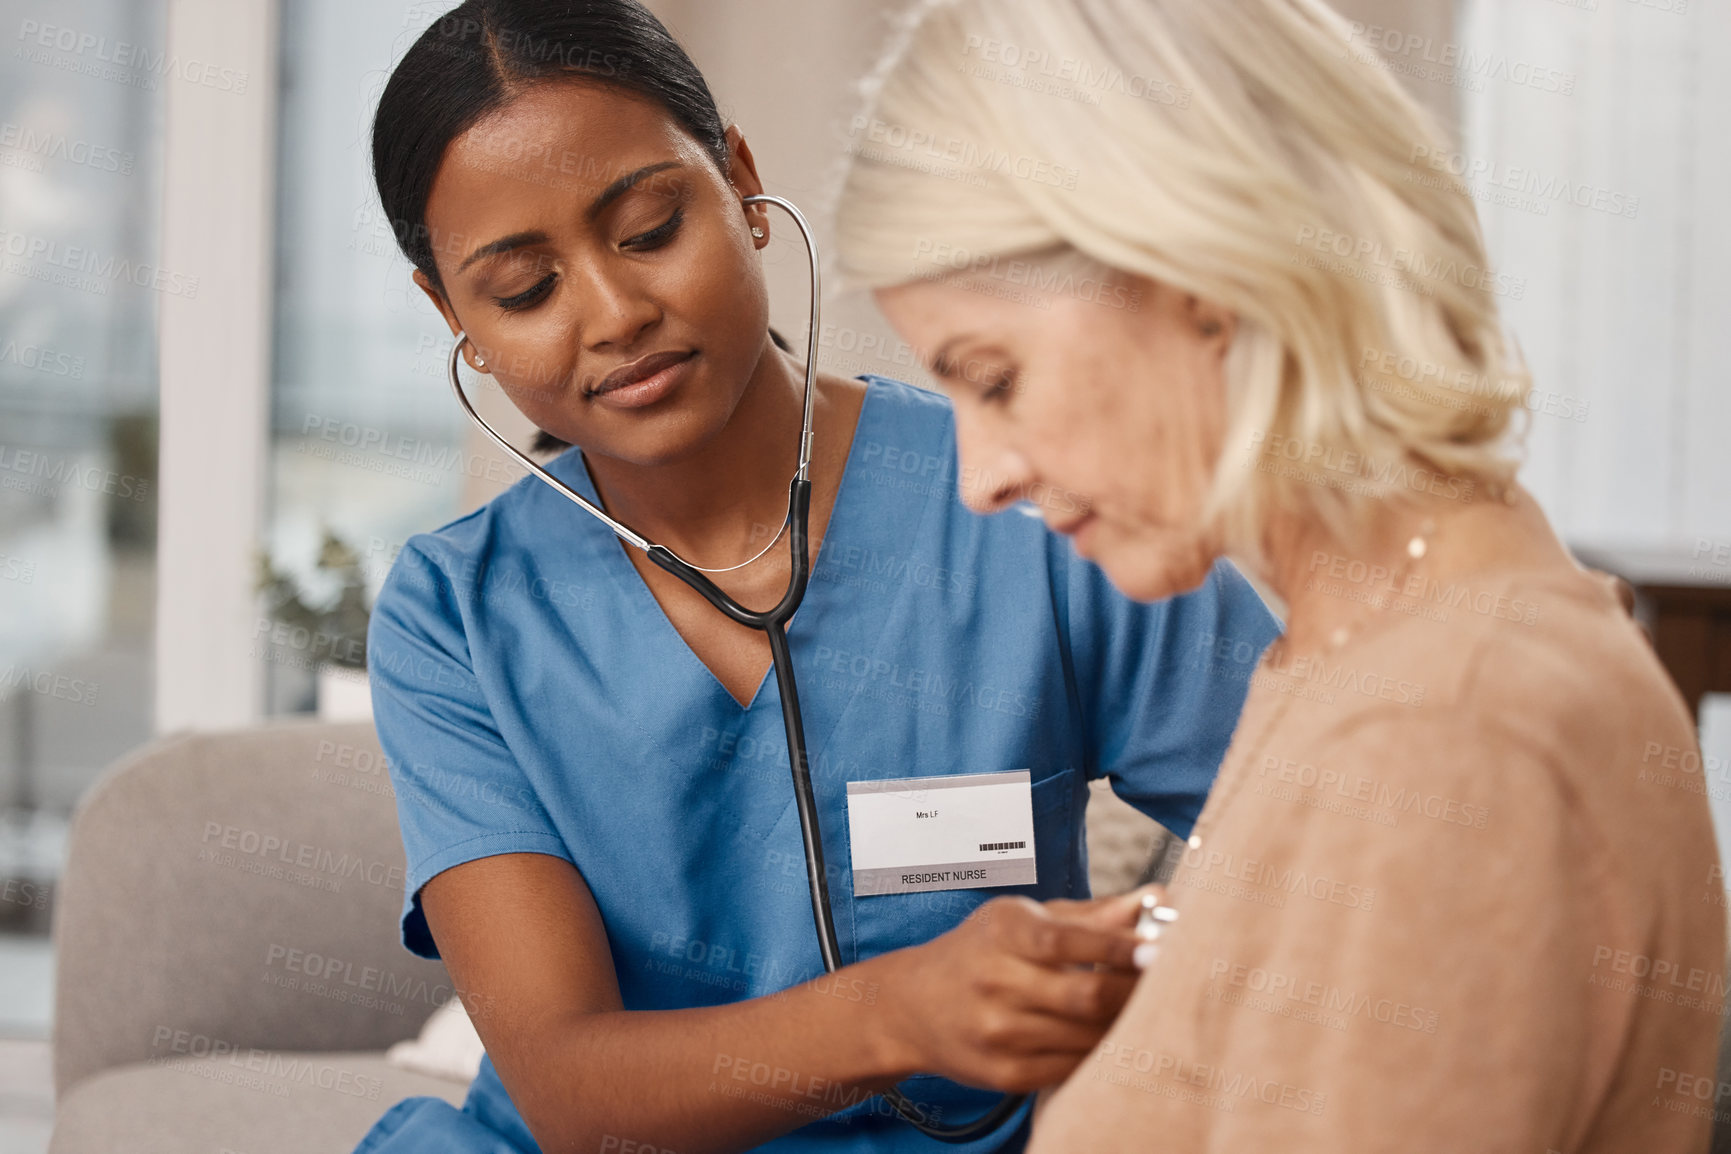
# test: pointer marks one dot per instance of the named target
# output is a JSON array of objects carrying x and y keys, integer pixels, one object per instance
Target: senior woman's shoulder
[
  {"x": 1560, "y": 648},
  {"x": 1545, "y": 675},
  {"x": 1559, "y": 641},
  {"x": 1573, "y": 680},
  {"x": 1542, "y": 671}
]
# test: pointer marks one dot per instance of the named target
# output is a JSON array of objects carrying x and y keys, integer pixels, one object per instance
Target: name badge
[{"x": 961, "y": 831}]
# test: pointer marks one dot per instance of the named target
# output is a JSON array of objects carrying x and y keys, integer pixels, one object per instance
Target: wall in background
[
  {"x": 1603, "y": 184},
  {"x": 788, "y": 74}
]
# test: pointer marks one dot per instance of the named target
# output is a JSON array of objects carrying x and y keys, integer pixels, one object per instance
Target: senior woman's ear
[{"x": 1212, "y": 323}]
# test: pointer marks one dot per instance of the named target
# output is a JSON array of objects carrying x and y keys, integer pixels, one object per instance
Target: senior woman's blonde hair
[{"x": 1247, "y": 152}]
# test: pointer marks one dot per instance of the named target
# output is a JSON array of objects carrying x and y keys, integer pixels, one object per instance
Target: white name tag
[{"x": 961, "y": 831}]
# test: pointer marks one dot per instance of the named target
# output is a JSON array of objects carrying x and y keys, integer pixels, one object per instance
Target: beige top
[{"x": 1456, "y": 889}]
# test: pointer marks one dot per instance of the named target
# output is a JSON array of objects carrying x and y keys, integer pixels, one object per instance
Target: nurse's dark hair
[{"x": 478, "y": 56}]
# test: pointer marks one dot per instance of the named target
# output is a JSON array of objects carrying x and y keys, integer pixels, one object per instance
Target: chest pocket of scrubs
[{"x": 884, "y": 922}]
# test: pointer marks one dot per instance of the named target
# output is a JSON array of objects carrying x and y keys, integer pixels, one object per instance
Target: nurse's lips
[{"x": 645, "y": 380}]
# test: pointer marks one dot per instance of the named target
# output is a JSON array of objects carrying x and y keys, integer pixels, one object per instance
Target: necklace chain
[
  {"x": 750, "y": 559},
  {"x": 786, "y": 519},
  {"x": 1417, "y": 548}
]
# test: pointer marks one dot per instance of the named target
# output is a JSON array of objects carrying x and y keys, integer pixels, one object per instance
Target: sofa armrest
[{"x": 236, "y": 890}]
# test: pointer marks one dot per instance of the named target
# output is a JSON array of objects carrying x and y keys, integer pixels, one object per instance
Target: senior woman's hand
[{"x": 1017, "y": 995}]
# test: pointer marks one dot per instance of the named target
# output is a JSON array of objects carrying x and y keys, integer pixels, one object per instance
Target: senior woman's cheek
[
  {"x": 1159, "y": 449},
  {"x": 1171, "y": 449}
]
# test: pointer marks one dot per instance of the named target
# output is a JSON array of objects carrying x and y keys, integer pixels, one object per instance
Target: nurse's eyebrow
[
  {"x": 623, "y": 185},
  {"x": 596, "y": 207},
  {"x": 504, "y": 244}
]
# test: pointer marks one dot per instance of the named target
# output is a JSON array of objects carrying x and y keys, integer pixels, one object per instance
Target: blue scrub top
[{"x": 531, "y": 696}]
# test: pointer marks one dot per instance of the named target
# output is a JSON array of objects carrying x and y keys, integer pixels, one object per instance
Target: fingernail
[{"x": 1143, "y": 957}]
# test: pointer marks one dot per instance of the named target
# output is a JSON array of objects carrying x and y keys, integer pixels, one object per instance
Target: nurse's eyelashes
[
  {"x": 528, "y": 298},
  {"x": 659, "y": 236}
]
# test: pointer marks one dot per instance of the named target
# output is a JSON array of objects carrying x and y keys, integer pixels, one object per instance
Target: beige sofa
[{"x": 228, "y": 972}]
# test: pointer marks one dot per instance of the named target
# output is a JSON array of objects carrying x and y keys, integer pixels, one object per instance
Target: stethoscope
[{"x": 773, "y": 623}]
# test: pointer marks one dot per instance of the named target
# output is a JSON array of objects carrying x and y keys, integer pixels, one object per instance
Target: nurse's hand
[{"x": 1017, "y": 995}]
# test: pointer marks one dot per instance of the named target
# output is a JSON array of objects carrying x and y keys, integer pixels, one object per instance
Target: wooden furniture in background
[{"x": 1683, "y": 599}]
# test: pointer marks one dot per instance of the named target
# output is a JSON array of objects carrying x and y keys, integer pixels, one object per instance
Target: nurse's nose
[{"x": 615, "y": 316}]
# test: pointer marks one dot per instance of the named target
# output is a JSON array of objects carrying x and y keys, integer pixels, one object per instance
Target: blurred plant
[{"x": 338, "y": 630}]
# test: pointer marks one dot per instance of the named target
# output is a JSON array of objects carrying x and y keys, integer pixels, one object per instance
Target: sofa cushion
[
  {"x": 245, "y": 1102},
  {"x": 242, "y": 886}
]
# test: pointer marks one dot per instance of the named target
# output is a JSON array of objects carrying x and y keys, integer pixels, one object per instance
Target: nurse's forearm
[
  {"x": 1012, "y": 999},
  {"x": 719, "y": 1078}
]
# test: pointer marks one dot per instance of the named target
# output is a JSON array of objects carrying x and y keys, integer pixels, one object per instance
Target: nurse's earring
[{"x": 757, "y": 232}]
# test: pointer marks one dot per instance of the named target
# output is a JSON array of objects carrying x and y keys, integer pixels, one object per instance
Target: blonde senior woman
[{"x": 1188, "y": 262}]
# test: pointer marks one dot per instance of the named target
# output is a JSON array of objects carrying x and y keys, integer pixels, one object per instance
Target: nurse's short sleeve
[
  {"x": 461, "y": 794},
  {"x": 1162, "y": 684}
]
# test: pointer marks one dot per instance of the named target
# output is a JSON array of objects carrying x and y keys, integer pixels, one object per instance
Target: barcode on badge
[{"x": 991, "y": 845}]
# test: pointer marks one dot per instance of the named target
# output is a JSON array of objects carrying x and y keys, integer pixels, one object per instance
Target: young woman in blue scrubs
[{"x": 591, "y": 779}]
